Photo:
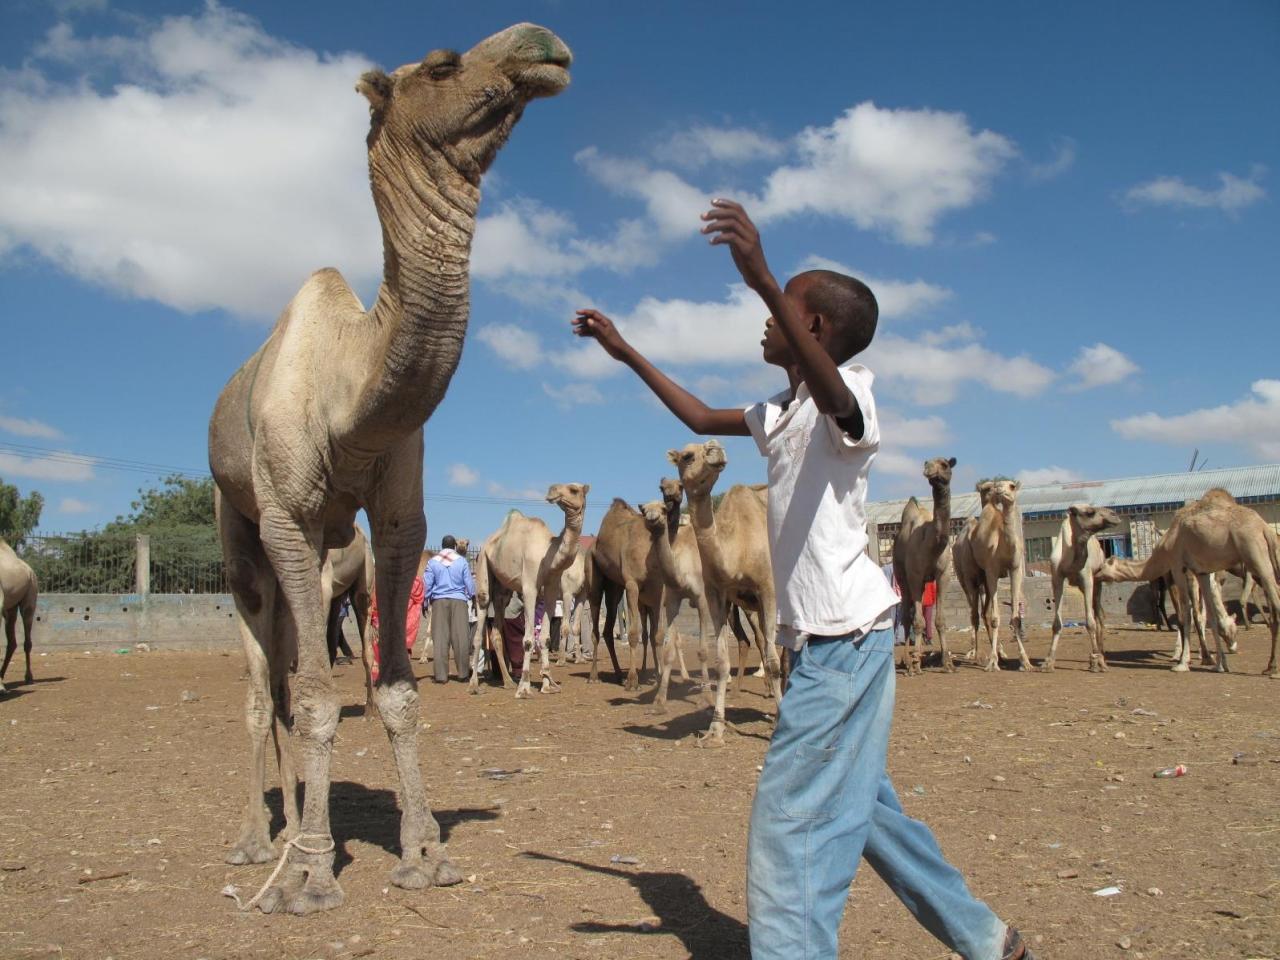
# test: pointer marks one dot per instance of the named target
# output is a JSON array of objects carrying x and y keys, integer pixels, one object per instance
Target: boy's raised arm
[
  {"x": 693, "y": 413},
  {"x": 728, "y": 223}
]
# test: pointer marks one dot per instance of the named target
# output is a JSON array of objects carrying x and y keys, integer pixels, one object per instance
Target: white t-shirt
[{"x": 827, "y": 585}]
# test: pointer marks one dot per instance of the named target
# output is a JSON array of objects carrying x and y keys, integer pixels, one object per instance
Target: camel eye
[{"x": 443, "y": 71}]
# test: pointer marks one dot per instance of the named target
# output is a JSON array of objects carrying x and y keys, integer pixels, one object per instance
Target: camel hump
[{"x": 619, "y": 504}]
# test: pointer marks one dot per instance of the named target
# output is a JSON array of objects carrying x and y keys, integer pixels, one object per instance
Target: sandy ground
[{"x": 119, "y": 799}]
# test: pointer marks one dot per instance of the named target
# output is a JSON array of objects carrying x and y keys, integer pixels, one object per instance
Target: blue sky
[{"x": 1068, "y": 213}]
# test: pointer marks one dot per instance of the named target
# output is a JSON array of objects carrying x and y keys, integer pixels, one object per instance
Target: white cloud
[
  {"x": 894, "y": 170},
  {"x": 496, "y": 489},
  {"x": 1099, "y": 365},
  {"x": 1043, "y": 476},
  {"x": 702, "y": 145},
  {"x": 901, "y": 434},
  {"x": 934, "y": 365},
  {"x": 1063, "y": 159},
  {"x": 897, "y": 298},
  {"x": 29, "y": 428},
  {"x": 516, "y": 346},
  {"x": 53, "y": 466},
  {"x": 1232, "y": 194},
  {"x": 573, "y": 394},
  {"x": 460, "y": 475},
  {"x": 672, "y": 204},
  {"x": 1253, "y": 422},
  {"x": 225, "y": 167},
  {"x": 73, "y": 505}
]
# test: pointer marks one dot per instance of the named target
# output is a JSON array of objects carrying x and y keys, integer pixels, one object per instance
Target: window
[{"x": 1039, "y": 548}]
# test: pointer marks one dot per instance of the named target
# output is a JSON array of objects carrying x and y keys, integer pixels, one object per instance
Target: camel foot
[
  {"x": 1181, "y": 667},
  {"x": 524, "y": 691},
  {"x": 714, "y": 736},
  {"x": 3, "y": 688},
  {"x": 1047, "y": 667},
  {"x": 1097, "y": 665},
  {"x": 1232, "y": 647},
  {"x": 1272, "y": 672},
  {"x": 657, "y": 709},
  {"x": 760, "y": 673},
  {"x": 1208, "y": 660},
  {"x": 314, "y": 896},
  {"x": 632, "y": 682},
  {"x": 992, "y": 665},
  {"x": 252, "y": 849},
  {"x": 420, "y": 874},
  {"x": 549, "y": 686}
]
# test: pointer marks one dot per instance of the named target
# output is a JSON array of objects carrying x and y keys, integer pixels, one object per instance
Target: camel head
[
  {"x": 1000, "y": 493},
  {"x": 672, "y": 495},
  {"x": 1091, "y": 519},
  {"x": 569, "y": 497},
  {"x": 700, "y": 465},
  {"x": 464, "y": 545},
  {"x": 938, "y": 471},
  {"x": 655, "y": 515},
  {"x": 462, "y": 106}
]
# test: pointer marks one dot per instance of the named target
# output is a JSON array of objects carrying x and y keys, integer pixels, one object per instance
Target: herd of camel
[{"x": 326, "y": 418}]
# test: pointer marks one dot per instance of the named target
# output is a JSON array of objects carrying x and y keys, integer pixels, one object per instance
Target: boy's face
[{"x": 774, "y": 346}]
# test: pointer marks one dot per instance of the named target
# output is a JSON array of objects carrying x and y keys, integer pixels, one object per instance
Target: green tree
[{"x": 19, "y": 515}]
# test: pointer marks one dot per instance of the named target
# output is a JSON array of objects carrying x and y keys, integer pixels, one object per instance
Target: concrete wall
[{"x": 78, "y": 621}]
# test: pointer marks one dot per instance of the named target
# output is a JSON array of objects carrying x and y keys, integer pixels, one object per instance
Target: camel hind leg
[
  {"x": 11, "y": 641},
  {"x": 1058, "y": 584}
]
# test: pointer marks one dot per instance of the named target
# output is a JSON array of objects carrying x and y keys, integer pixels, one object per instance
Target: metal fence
[{"x": 108, "y": 563}]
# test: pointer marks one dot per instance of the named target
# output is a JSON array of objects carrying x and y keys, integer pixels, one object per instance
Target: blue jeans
[{"x": 824, "y": 801}]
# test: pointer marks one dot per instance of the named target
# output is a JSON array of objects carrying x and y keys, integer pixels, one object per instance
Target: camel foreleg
[{"x": 1058, "y": 584}]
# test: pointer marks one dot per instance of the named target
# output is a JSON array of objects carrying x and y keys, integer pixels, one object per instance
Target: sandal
[{"x": 1014, "y": 948}]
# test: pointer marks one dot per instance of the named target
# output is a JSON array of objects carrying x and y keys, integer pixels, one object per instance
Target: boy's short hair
[
  {"x": 447, "y": 542},
  {"x": 848, "y": 304}
]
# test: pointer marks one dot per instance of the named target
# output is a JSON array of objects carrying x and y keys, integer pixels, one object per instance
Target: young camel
[
  {"x": 18, "y": 592},
  {"x": 349, "y": 573},
  {"x": 1214, "y": 533},
  {"x": 624, "y": 564},
  {"x": 677, "y": 551},
  {"x": 1077, "y": 557},
  {"x": 523, "y": 557},
  {"x": 733, "y": 543},
  {"x": 918, "y": 552},
  {"x": 987, "y": 550}
]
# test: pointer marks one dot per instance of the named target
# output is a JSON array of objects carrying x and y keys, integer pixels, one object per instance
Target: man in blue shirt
[{"x": 449, "y": 588}]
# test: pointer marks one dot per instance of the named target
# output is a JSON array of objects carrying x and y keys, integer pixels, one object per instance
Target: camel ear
[
  {"x": 376, "y": 87},
  {"x": 674, "y": 456},
  {"x": 586, "y": 488},
  {"x": 951, "y": 462},
  {"x": 984, "y": 486},
  {"x": 1016, "y": 484}
]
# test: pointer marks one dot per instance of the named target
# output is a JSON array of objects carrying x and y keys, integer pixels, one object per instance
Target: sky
[{"x": 1067, "y": 212}]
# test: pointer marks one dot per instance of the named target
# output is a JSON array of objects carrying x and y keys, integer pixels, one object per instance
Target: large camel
[
  {"x": 1077, "y": 557},
  {"x": 523, "y": 557},
  {"x": 919, "y": 552},
  {"x": 624, "y": 566},
  {"x": 987, "y": 550},
  {"x": 349, "y": 573},
  {"x": 1214, "y": 533},
  {"x": 733, "y": 542},
  {"x": 18, "y": 594},
  {"x": 326, "y": 418}
]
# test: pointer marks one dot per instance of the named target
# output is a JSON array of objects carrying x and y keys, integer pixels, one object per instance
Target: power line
[{"x": 30, "y": 452}]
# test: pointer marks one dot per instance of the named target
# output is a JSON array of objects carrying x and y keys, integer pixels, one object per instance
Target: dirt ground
[{"x": 120, "y": 796}]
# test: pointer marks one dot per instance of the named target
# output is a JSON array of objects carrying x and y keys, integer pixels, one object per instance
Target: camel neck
[
  {"x": 942, "y": 508},
  {"x": 567, "y": 548},
  {"x": 703, "y": 518},
  {"x": 418, "y": 321}
]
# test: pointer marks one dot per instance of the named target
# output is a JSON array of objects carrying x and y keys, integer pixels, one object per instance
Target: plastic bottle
[{"x": 1169, "y": 772}]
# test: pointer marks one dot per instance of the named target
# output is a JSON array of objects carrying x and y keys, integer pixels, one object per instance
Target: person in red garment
[
  {"x": 413, "y": 616},
  {"x": 929, "y": 599}
]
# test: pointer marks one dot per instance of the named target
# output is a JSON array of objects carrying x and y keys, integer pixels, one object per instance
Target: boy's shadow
[
  {"x": 677, "y": 901},
  {"x": 357, "y": 812}
]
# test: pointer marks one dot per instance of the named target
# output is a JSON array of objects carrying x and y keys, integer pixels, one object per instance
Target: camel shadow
[
  {"x": 1138, "y": 660},
  {"x": 679, "y": 904},
  {"x": 370, "y": 815},
  {"x": 348, "y": 710},
  {"x": 696, "y": 722}
]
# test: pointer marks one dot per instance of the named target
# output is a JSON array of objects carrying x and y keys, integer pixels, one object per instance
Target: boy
[{"x": 824, "y": 798}]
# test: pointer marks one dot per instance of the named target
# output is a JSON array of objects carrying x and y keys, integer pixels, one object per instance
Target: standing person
[
  {"x": 449, "y": 589},
  {"x": 824, "y": 798}
]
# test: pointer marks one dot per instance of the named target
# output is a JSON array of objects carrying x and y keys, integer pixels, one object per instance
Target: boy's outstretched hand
[
  {"x": 728, "y": 223},
  {"x": 593, "y": 323}
]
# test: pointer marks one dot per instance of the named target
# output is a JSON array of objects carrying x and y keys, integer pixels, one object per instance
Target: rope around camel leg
[{"x": 232, "y": 891}]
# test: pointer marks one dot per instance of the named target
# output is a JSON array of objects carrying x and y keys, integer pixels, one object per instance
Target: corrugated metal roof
[{"x": 1254, "y": 484}]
